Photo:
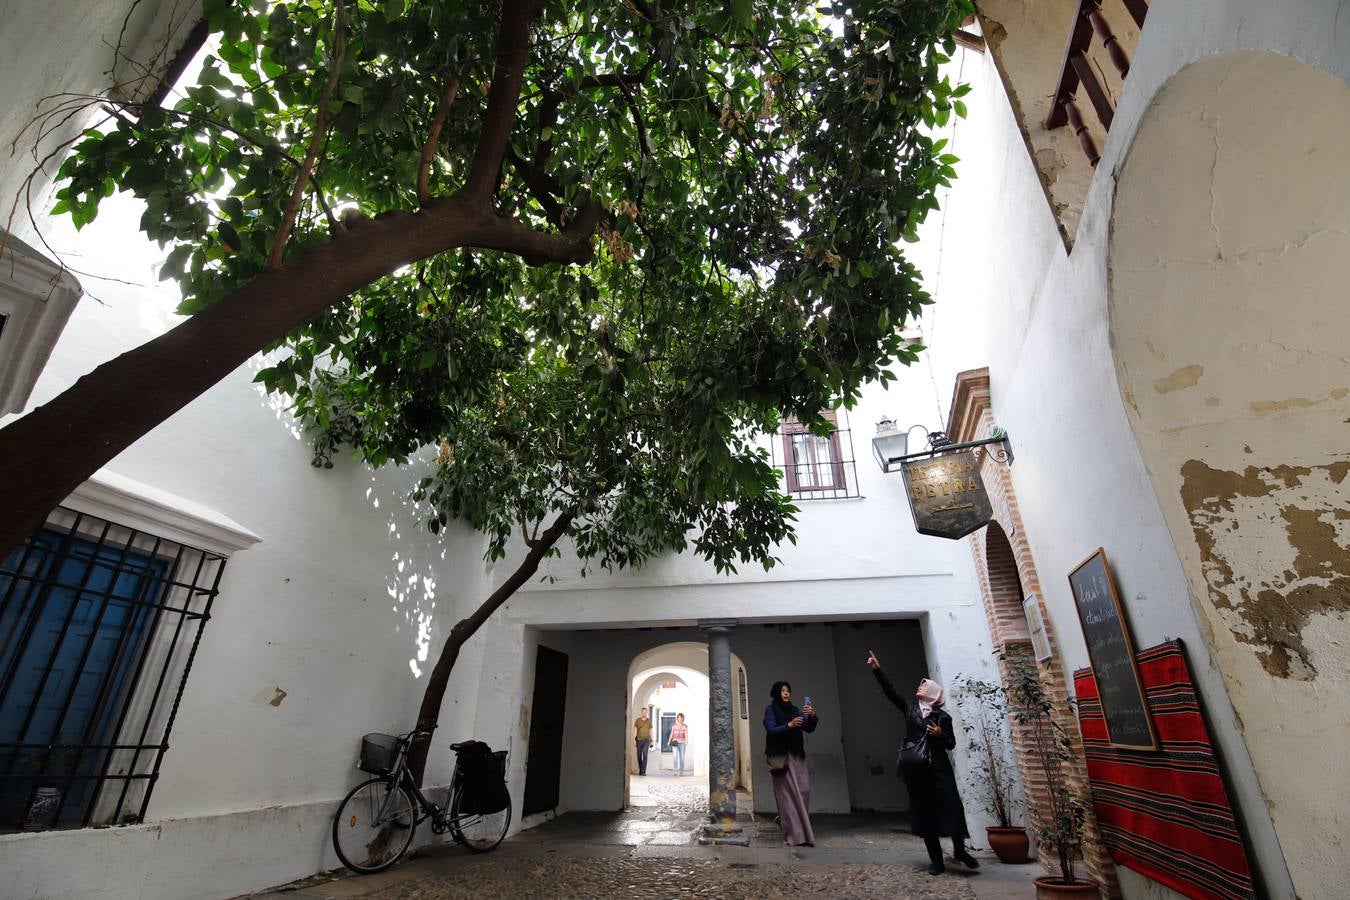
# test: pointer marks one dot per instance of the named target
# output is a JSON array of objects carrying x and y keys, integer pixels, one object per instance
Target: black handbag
[{"x": 914, "y": 755}]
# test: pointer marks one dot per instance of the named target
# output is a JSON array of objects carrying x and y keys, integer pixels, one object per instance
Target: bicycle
[{"x": 376, "y": 821}]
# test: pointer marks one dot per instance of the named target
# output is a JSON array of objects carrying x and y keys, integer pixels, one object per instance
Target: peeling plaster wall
[
  {"x": 1011, "y": 298},
  {"x": 1026, "y": 43},
  {"x": 1230, "y": 257}
]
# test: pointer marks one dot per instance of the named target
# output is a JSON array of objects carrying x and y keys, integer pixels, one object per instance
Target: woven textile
[{"x": 1165, "y": 814}]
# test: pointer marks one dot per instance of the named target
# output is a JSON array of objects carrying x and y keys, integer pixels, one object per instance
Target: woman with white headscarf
[{"x": 934, "y": 804}]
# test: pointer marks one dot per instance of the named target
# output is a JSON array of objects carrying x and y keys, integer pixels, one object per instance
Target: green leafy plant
[
  {"x": 585, "y": 253},
  {"x": 1061, "y": 823},
  {"x": 339, "y": 170},
  {"x": 984, "y": 719}
]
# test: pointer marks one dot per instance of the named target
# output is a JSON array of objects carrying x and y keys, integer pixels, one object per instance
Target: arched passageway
[
  {"x": 673, "y": 678},
  {"x": 1230, "y": 256},
  {"x": 852, "y": 752}
]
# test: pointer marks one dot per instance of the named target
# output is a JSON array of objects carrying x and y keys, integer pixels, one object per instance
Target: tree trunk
[{"x": 434, "y": 696}]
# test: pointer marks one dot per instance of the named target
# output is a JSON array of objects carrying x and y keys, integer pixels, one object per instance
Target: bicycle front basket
[{"x": 378, "y": 754}]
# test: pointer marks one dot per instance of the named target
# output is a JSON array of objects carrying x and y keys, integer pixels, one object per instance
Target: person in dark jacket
[
  {"x": 935, "y": 805},
  {"x": 783, "y": 728}
]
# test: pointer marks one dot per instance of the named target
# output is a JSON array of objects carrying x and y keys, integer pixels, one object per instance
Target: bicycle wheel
[
  {"x": 479, "y": 832},
  {"x": 374, "y": 826}
]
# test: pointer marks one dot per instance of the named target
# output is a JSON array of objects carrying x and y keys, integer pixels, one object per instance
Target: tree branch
[
  {"x": 541, "y": 187},
  {"x": 525, "y": 530},
  {"x": 60, "y": 444},
  {"x": 648, "y": 11},
  {"x": 320, "y": 129},
  {"x": 433, "y": 138},
  {"x": 503, "y": 95}
]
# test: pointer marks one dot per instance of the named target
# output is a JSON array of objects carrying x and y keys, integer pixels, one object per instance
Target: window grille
[
  {"x": 99, "y": 624},
  {"x": 745, "y": 695},
  {"x": 815, "y": 467}
]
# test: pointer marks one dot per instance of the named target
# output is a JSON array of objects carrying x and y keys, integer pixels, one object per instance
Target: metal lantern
[{"x": 888, "y": 444}]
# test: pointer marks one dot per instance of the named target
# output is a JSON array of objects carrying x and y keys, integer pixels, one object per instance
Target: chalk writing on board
[{"x": 1111, "y": 653}]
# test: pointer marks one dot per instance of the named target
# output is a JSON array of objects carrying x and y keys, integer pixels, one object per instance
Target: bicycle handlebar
[{"x": 416, "y": 732}]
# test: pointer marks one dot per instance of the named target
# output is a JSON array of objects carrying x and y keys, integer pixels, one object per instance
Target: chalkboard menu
[{"x": 1111, "y": 653}]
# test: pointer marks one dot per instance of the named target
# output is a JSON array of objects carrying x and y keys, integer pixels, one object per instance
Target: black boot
[
  {"x": 962, "y": 855},
  {"x": 935, "y": 866}
]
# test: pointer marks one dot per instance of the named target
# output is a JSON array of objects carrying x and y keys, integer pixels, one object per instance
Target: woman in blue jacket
[{"x": 783, "y": 728}]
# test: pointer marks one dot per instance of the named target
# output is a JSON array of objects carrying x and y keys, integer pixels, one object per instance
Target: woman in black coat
[{"x": 935, "y": 805}]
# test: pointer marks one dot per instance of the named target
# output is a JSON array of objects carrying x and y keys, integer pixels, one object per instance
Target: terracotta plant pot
[
  {"x": 1053, "y": 888},
  {"x": 1010, "y": 844}
]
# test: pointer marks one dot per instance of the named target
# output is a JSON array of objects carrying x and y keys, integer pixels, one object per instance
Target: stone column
[{"x": 721, "y": 827}]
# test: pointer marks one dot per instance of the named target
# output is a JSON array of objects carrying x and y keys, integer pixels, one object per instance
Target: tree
[{"x": 412, "y": 214}]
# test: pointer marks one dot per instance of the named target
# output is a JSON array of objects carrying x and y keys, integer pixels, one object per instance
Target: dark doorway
[{"x": 544, "y": 765}]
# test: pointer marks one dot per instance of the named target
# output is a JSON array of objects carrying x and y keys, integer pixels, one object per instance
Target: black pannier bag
[{"x": 483, "y": 779}]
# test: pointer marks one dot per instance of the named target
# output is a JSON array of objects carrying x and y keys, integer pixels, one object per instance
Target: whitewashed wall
[
  {"x": 320, "y": 633},
  {"x": 1038, "y": 317},
  {"x": 74, "y": 55}
]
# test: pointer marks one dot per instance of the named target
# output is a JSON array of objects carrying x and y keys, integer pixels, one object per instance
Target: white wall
[
  {"x": 337, "y": 607},
  {"x": 1240, "y": 403},
  {"x": 1038, "y": 318}
]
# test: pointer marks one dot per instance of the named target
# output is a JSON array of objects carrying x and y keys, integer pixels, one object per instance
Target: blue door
[{"x": 73, "y": 625}]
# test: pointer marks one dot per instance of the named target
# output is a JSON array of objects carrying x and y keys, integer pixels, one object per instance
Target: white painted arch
[{"x": 688, "y": 660}]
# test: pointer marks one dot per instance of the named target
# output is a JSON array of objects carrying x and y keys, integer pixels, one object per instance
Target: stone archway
[
  {"x": 689, "y": 660},
  {"x": 1229, "y": 260},
  {"x": 670, "y": 690}
]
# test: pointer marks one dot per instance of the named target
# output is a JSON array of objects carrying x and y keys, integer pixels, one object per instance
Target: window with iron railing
[
  {"x": 99, "y": 624},
  {"x": 816, "y": 467}
]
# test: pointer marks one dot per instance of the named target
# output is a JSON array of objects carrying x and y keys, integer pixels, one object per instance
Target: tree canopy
[{"x": 576, "y": 245}]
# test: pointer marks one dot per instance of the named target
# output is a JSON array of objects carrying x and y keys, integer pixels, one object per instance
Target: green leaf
[{"x": 743, "y": 10}]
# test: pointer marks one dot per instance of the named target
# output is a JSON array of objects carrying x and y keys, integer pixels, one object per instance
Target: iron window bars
[
  {"x": 815, "y": 467},
  {"x": 99, "y": 624}
]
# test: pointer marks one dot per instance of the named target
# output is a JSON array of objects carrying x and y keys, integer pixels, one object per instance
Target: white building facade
[{"x": 1164, "y": 343}]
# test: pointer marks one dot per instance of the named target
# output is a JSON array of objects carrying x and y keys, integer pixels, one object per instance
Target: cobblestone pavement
[{"x": 651, "y": 849}]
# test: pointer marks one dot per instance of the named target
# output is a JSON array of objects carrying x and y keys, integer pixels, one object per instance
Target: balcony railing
[
  {"x": 816, "y": 467},
  {"x": 1078, "y": 71}
]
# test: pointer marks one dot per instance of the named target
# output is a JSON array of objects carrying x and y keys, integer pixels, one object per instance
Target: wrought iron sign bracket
[{"x": 1003, "y": 454}]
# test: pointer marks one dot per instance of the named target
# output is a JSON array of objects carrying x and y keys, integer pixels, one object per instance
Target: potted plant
[
  {"x": 984, "y": 717},
  {"x": 1059, "y": 825},
  {"x": 48, "y": 770}
]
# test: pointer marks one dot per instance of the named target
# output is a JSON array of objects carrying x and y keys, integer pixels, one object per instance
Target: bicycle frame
[{"x": 426, "y": 807}]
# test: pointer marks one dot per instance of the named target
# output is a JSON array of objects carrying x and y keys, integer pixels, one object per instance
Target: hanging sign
[{"x": 946, "y": 495}]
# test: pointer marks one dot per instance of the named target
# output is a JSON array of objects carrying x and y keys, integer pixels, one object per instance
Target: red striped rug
[{"x": 1165, "y": 813}]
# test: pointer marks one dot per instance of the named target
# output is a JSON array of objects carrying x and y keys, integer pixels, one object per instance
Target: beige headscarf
[{"x": 929, "y": 695}]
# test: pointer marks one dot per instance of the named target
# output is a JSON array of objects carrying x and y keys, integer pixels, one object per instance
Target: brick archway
[{"x": 1007, "y": 575}]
